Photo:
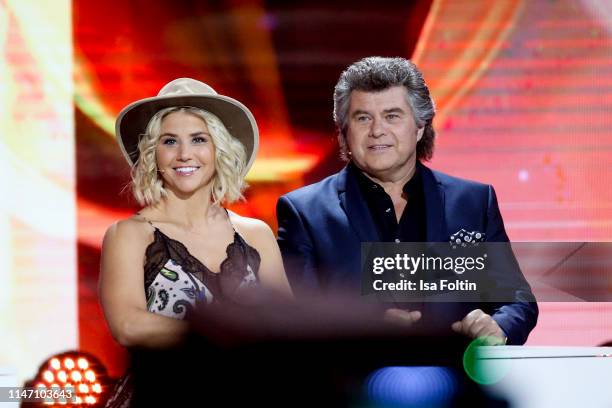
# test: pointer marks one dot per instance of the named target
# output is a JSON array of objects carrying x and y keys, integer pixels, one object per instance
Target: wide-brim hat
[{"x": 237, "y": 118}]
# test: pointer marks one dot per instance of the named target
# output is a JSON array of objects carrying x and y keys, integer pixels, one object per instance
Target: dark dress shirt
[{"x": 412, "y": 226}]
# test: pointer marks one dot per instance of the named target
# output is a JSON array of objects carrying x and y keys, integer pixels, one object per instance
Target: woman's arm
[
  {"x": 271, "y": 271},
  {"x": 122, "y": 295}
]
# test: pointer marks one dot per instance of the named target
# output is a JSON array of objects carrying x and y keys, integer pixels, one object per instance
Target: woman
[{"x": 183, "y": 248}]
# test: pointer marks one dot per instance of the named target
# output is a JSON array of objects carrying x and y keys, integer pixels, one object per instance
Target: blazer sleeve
[
  {"x": 519, "y": 317},
  {"x": 296, "y": 247}
]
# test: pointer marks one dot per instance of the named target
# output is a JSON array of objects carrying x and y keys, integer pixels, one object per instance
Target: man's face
[{"x": 382, "y": 134}]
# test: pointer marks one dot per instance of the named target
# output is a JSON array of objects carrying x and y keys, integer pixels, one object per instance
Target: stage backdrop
[{"x": 522, "y": 89}]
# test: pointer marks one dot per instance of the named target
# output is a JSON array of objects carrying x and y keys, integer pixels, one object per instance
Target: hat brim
[{"x": 239, "y": 121}]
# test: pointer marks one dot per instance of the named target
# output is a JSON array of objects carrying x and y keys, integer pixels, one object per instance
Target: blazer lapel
[
  {"x": 434, "y": 204},
  {"x": 355, "y": 207}
]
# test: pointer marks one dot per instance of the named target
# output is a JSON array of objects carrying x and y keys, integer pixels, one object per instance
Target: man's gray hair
[{"x": 377, "y": 74}]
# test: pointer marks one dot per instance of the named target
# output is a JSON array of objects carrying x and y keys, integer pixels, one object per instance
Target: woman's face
[{"x": 185, "y": 154}]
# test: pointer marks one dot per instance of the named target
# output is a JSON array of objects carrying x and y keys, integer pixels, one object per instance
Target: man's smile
[{"x": 379, "y": 147}]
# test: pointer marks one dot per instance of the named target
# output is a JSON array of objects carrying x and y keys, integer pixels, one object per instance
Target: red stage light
[{"x": 80, "y": 378}]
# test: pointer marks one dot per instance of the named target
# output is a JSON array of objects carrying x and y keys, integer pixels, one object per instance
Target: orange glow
[
  {"x": 62, "y": 376},
  {"x": 78, "y": 400},
  {"x": 83, "y": 388},
  {"x": 90, "y": 400},
  {"x": 97, "y": 388},
  {"x": 468, "y": 46}
]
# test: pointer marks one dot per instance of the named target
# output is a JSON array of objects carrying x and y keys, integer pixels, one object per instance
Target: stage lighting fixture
[
  {"x": 55, "y": 363},
  {"x": 69, "y": 363},
  {"x": 62, "y": 376},
  {"x": 82, "y": 363},
  {"x": 79, "y": 375},
  {"x": 76, "y": 376}
]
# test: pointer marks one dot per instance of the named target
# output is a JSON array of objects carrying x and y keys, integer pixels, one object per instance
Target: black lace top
[{"x": 175, "y": 280}]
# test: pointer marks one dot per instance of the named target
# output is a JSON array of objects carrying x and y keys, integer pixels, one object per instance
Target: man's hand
[
  {"x": 479, "y": 324},
  {"x": 402, "y": 316}
]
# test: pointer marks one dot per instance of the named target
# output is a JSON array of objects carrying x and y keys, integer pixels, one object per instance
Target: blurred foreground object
[
  {"x": 276, "y": 353},
  {"x": 544, "y": 376}
]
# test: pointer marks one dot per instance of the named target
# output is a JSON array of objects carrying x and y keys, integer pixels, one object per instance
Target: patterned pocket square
[{"x": 463, "y": 238}]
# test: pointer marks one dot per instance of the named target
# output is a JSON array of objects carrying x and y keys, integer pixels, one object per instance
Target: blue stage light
[{"x": 412, "y": 387}]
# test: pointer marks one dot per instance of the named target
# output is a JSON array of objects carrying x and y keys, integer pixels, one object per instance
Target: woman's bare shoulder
[
  {"x": 133, "y": 231},
  {"x": 251, "y": 227}
]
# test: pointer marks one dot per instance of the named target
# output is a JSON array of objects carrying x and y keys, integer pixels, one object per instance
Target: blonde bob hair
[{"x": 230, "y": 160}]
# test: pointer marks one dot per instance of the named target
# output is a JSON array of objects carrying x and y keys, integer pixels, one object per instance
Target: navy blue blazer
[{"x": 321, "y": 227}]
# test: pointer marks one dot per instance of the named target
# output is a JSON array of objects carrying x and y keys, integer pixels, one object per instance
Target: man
[{"x": 383, "y": 112}]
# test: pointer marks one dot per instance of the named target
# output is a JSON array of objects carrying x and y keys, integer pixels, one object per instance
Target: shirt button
[
  {"x": 388, "y": 210},
  {"x": 397, "y": 240}
]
